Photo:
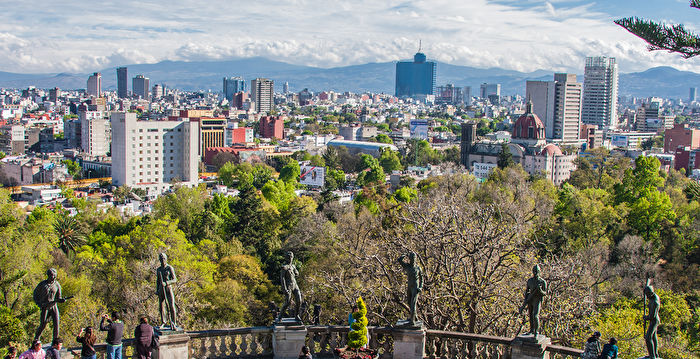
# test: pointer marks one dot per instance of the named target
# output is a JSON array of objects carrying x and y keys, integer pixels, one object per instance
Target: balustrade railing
[
  {"x": 322, "y": 340},
  {"x": 448, "y": 345},
  {"x": 256, "y": 342},
  {"x": 241, "y": 343}
]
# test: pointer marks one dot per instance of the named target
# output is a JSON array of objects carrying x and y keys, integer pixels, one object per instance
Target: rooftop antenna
[{"x": 420, "y": 44}]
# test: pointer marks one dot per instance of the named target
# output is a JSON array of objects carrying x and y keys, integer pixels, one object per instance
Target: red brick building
[
  {"x": 681, "y": 136},
  {"x": 272, "y": 127}
]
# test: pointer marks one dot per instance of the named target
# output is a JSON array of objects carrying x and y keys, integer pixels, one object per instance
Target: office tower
[
  {"x": 239, "y": 99},
  {"x": 151, "y": 154},
  {"x": 233, "y": 85},
  {"x": 95, "y": 133},
  {"x": 542, "y": 96},
  {"x": 415, "y": 78},
  {"x": 491, "y": 92},
  {"x": 54, "y": 94},
  {"x": 122, "y": 82},
  {"x": 140, "y": 86},
  {"x": 272, "y": 127},
  {"x": 693, "y": 94},
  {"x": 94, "y": 84},
  {"x": 157, "y": 91},
  {"x": 211, "y": 132},
  {"x": 467, "y": 95},
  {"x": 600, "y": 93},
  {"x": 448, "y": 94},
  {"x": 262, "y": 94},
  {"x": 286, "y": 87},
  {"x": 567, "y": 108}
]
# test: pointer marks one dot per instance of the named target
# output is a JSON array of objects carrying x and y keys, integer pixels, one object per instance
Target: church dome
[
  {"x": 551, "y": 150},
  {"x": 528, "y": 126}
]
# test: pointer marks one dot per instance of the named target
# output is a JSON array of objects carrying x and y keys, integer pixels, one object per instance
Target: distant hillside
[{"x": 375, "y": 77}]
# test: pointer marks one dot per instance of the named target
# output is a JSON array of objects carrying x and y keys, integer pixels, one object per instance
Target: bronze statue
[
  {"x": 47, "y": 295},
  {"x": 653, "y": 305},
  {"x": 164, "y": 290},
  {"x": 534, "y": 293},
  {"x": 415, "y": 284},
  {"x": 288, "y": 279}
]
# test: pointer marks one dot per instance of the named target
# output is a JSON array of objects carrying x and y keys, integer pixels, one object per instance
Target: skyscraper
[
  {"x": 491, "y": 92},
  {"x": 94, "y": 84},
  {"x": 558, "y": 104},
  {"x": 262, "y": 94},
  {"x": 122, "y": 83},
  {"x": 140, "y": 86},
  {"x": 415, "y": 78},
  {"x": 600, "y": 92},
  {"x": 233, "y": 85},
  {"x": 693, "y": 94}
]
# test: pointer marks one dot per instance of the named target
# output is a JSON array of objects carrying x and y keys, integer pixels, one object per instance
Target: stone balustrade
[{"x": 257, "y": 342}]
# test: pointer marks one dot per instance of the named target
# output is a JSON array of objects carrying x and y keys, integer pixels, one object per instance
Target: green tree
[
  {"x": 390, "y": 161},
  {"x": 357, "y": 338},
  {"x": 335, "y": 179},
  {"x": 371, "y": 172},
  {"x": 331, "y": 158},
  {"x": 382, "y": 138},
  {"x": 290, "y": 172},
  {"x": 673, "y": 38},
  {"x": 74, "y": 168},
  {"x": 11, "y": 330},
  {"x": 505, "y": 158}
]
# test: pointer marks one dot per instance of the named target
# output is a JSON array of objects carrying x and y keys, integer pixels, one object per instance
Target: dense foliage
[{"x": 597, "y": 239}]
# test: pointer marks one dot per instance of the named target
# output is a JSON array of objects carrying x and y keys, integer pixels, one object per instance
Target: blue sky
[{"x": 525, "y": 35}]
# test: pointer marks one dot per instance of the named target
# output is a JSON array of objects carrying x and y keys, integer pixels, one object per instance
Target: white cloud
[{"x": 552, "y": 35}]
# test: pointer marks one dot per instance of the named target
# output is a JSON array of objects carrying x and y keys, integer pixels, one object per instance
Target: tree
[
  {"x": 11, "y": 330},
  {"x": 673, "y": 38},
  {"x": 68, "y": 232},
  {"x": 74, "y": 168},
  {"x": 357, "y": 338},
  {"x": 505, "y": 158},
  {"x": 382, "y": 138},
  {"x": 290, "y": 172},
  {"x": 390, "y": 161},
  {"x": 331, "y": 158}
]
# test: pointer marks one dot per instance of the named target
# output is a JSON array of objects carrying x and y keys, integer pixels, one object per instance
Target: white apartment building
[
  {"x": 262, "y": 94},
  {"x": 94, "y": 85},
  {"x": 600, "y": 93},
  {"x": 95, "y": 133},
  {"x": 153, "y": 154}
]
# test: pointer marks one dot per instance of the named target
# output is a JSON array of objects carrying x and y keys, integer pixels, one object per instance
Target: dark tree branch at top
[{"x": 673, "y": 38}]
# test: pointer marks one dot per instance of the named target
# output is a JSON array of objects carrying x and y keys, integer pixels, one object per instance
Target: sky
[{"x": 525, "y": 35}]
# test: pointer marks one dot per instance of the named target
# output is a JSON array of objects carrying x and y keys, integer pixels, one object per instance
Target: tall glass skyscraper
[
  {"x": 122, "y": 82},
  {"x": 233, "y": 85},
  {"x": 415, "y": 78},
  {"x": 600, "y": 93}
]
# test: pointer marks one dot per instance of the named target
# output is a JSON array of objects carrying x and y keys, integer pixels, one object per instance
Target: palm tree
[{"x": 68, "y": 232}]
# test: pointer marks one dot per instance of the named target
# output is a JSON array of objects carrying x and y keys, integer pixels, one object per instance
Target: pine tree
[
  {"x": 357, "y": 338},
  {"x": 674, "y": 38}
]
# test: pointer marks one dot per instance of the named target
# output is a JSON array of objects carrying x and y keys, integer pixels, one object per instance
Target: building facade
[
  {"x": 153, "y": 154},
  {"x": 122, "y": 82},
  {"x": 211, "y": 132},
  {"x": 94, "y": 85},
  {"x": 272, "y": 127},
  {"x": 140, "y": 86},
  {"x": 233, "y": 85},
  {"x": 681, "y": 136},
  {"x": 96, "y": 133},
  {"x": 600, "y": 93},
  {"x": 416, "y": 77},
  {"x": 262, "y": 94}
]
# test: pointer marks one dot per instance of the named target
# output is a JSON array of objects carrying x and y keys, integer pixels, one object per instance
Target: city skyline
[{"x": 479, "y": 33}]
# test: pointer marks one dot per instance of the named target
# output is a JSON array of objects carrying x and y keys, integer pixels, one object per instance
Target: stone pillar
[
  {"x": 288, "y": 341},
  {"x": 173, "y": 346},
  {"x": 529, "y": 347},
  {"x": 409, "y": 343}
]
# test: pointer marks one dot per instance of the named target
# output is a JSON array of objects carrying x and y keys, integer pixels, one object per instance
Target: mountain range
[{"x": 665, "y": 82}]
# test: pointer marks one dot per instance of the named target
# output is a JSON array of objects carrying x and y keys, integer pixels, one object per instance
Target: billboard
[
  {"x": 312, "y": 175},
  {"x": 419, "y": 129},
  {"x": 619, "y": 140}
]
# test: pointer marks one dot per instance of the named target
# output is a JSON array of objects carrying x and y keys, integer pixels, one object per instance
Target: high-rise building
[
  {"x": 558, "y": 104},
  {"x": 272, "y": 127},
  {"x": 262, "y": 94},
  {"x": 157, "y": 91},
  {"x": 95, "y": 133},
  {"x": 54, "y": 94},
  {"x": 600, "y": 93},
  {"x": 693, "y": 94},
  {"x": 542, "y": 95},
  {"x": 94, "y": 84},
  {"x": 449, "y": 94},
  {"x": 211, "y": 132},
  {"x": 467, "y": 92},
  {"x": 415, "y": 78},
  {"x": 286, "y": 87},
  {"x": 233, "y": 85},
  {"x": 151, "y": 154},
  {"x": 140, "y": 86},
  {"x": 491, "y": 92},
  {"x": 122, "y": 82}
]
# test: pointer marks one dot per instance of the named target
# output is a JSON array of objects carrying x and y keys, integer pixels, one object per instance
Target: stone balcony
[{"x": 270, "y": 342}]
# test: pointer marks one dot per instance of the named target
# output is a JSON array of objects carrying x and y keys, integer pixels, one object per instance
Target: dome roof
[
  {"x": 528, "y": 126},
  {"x": 551, "y": 150}
]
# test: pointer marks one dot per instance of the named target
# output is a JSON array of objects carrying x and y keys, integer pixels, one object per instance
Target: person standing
[
  {"x": 115, "y": 331},
  {"x": 54, "y": 352},
  {"x": 35, "y": 352},
  {"x": 143, "y": 338},
  {"x": 87, "y": 338},
  {"x": 592, "y": 348}
]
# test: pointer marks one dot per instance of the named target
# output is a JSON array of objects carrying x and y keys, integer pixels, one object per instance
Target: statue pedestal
[
  {"x": 287, "y": 341},
  {"x": 409, "y": 343},
  {"x": 172, "y": 346},
  {"x": 530, "y": 347}
]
